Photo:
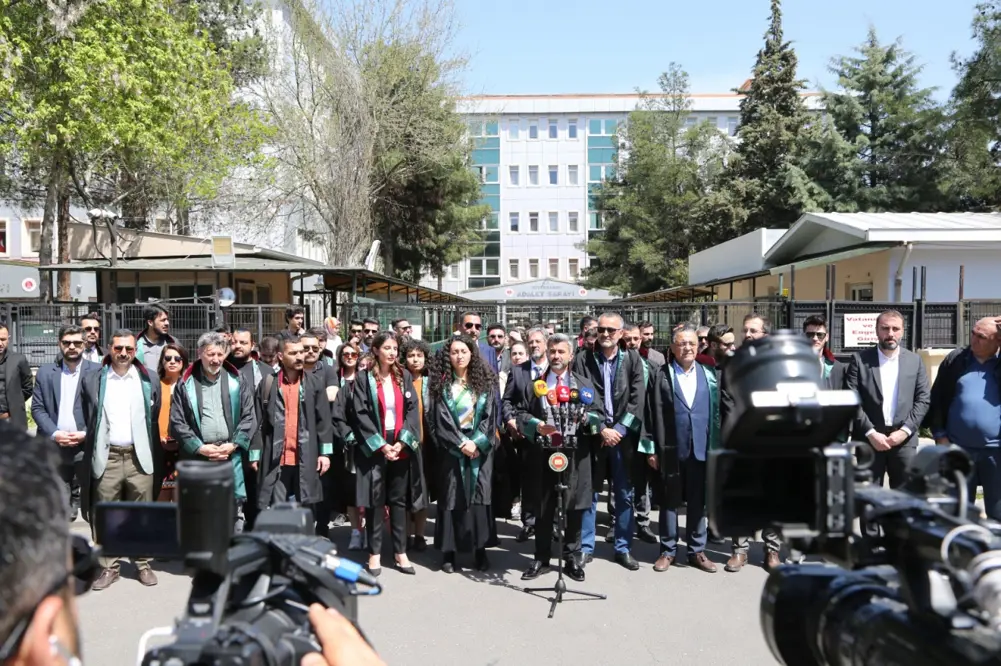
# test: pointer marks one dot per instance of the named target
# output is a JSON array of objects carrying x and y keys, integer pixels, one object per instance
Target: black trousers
[
  {"x": 288, "y": 482},
  {"x": 71, "y": 470},
  {"x": 397, "y": 480},
  {"x": 893, "y": 463}
]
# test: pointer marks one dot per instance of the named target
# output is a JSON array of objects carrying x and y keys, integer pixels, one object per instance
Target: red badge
[{"x": 558, "y": 462}]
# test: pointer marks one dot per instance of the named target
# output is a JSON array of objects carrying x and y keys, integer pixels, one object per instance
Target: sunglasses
[
  {"x": 84, "y": 571},
  {"x": 91, "y": 329},
  {"x": 311, "y": 348},
  {"x": 703, "y": 338},
  {"x": 406, "y": 328},
  {"x": 172, "y": 359},
  {"x": 608, "y": 330},
  {"x": 71, "y": 343},
  {"x": 373, "y": 331},
  {"x": 472, "y": 325},
  {"x": 816, "y": 335},
  {"x": 349, "y": 355},
  {"x": 125, "y": 348}
]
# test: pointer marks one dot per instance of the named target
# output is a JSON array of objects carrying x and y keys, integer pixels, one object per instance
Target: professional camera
[
  {"x": 251, "y": 592},
  {"x": 917, "y": 581}
]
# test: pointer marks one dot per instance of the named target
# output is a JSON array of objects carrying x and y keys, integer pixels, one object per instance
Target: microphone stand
[{"x": 562, "y": 487}]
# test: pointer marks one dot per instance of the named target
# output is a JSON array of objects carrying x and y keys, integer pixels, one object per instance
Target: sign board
[
  {"x": 860, "y": 329},
  {"x": 539, "y": 291},
  {"x": 223, "y": 253},
  {"x": 29, "y": 284}
]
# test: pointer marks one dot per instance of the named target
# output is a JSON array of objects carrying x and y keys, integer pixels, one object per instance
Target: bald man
[{"x": 966, "y": 409}]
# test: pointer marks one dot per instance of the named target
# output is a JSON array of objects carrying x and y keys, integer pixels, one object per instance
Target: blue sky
[{"x": 592, "y": 46}]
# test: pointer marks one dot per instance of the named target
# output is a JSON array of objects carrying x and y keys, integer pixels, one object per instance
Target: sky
[{"x": 615, "y": 46}]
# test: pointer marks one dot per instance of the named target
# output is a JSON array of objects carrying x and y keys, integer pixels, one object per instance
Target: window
[
  {"x": 533, "y": 130},
  {"x": 554, "y": 174},
  {"x": 602, "y": 127},
  {"x": 492, "y": 128},
  {"x": 146, "y": 293},
  {"x": 554, "y": 268},
  {"x": 712, "y": 121},
  {"x": 475, "y": 128},
  {"x": 691, "y": 121},
  {"x": 513, "y": 220},
  {"x": 513, "y": 129},
  {"x": 571, "y": 129},
  {"x": 533, "y": 175},
  {"x": 533, "y": 222},
  {"x": 594, "y": 222},
  {"x": 203, "y": 292},
  {"x": 512, "y": 269},
  {"x": 491, "y": 174},
  {"x": 731, "y": 125},
  {"x": 481, "y": 173},
  {"x": 453, "y": 272},
  {"x": 599, "y": 172},
  {"x": 573, "y": 268},
  {"x": 33, "y": 235},
  {"x": 554, "y": 223},
  {"x": 859, "y": 292},
  {"x": 573, "y": 224},
  {"x": 573, "y": 174},
  {"x": 512, "y": 174},
  {"x": 3, "y": 236},
  {"x": 554, "y": 129},
  {"x": 533, "y": 268}
]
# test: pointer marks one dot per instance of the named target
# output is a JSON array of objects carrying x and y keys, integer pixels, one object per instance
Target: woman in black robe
[
  {"x": 464, "y": 406},
  {"x": 416, "y": 358},
  {"x": 342, "y": 464},
  {"x": 386, "y": 450}
]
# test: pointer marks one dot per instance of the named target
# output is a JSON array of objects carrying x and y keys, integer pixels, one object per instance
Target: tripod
[{"x": 560, "y": 588}]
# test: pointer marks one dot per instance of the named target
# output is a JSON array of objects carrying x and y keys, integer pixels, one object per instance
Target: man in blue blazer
[{"x": 55, "y": 406}]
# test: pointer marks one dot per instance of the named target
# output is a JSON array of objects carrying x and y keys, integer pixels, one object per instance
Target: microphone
[
  {"x": 540, "y": 388},
  {"x": 586, "y": 400},
  {"x": 563, "y": 396},
  {"x": 551, "y": 398}
]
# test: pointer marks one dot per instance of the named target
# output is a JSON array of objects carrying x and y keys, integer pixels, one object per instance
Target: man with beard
[
  {"x": 150, "y": 344},
  {"x": 91, "y": 325},
  {"x": 632, "y": 341},
  {"x": 252, "y": 373},
  {"x": 15, "y": 382},
  {"x": 403, "y": 329},
  {"x": 646, "y": 349},
  {"x": 895, "y": 396},
  {"x": 313, "y": 348},
  {"x": 370, "y": 329},
  {"x": 588, "y": 325},
  {"x": 56, "y": 408},
  {"x": 535, "y": 417},
  {"x": 721, "y": 343}
]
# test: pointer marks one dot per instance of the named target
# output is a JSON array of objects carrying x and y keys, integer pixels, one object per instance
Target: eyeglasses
[
  {"x": 608, "y": 330},
  {"x": 703, "y": 338},
  {"x": 86, "y": 569},
  {"x": 172, "y": 359},
  {"x": 71, "y": 343},
  {"x": 125, "y": 348},
  {"x": 349, "y": 355},
  {"x": 406, "y": 328},
  {"x": 470, "y": 324},
  {"x": 91, "y": 329},
  {"x": 816, "y": 335},
  {"x": 373, "y": 331},
  {"x": 311, "y": 348}
]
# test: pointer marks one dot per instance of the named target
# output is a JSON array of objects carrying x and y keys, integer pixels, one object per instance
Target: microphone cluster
[{"x": 566, "y": 408}]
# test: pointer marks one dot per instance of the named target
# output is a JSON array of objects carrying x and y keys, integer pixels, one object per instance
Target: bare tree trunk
[
  {"x": 52, "y": 190},
  {"x": 63, "y": 240},
  {"x": 388, "y": 247}
]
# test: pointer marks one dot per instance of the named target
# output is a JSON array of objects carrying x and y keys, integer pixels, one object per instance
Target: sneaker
[
  {"x": 516, "y": 511},
  {"x": 357, "y": 541}
]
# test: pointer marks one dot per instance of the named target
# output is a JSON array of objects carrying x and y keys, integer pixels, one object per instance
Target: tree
[
  {"x": 765, "y": 183},
  {"x": 894, "y": 129},
  {"x": 650, "y": 209},
  {"x": 975, "y": 132}
]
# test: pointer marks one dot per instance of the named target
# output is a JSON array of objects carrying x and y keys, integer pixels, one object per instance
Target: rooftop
[{"x": 620, "y": 103}]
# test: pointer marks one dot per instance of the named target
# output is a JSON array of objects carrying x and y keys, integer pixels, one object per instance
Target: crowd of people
[{"x": 372, "y": 429}]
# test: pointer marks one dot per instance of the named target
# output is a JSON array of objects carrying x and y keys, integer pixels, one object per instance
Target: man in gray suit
[{"x": 894, "y": 394}]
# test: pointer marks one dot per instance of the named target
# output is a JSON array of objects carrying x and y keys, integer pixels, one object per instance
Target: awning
[{"x": 830, "y": 258}]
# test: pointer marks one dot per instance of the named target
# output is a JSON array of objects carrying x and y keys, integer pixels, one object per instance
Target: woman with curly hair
[
  {"x": 416, "y": 358},
  {"x": 342, "y": 463},
  {"x": 386, "y": 452},
  {"x": 464, "y": 409}
]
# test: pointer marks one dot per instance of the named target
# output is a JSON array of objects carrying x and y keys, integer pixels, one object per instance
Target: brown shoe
[
  {"x": 772, "y": 560},
  {"x": 663, "y": 563},
  {"x": 147, "y": 577},
  {"x": 736, "y": 562},
  {"x": 108, "y": 576},
  {"x": 703, "y": 563}
]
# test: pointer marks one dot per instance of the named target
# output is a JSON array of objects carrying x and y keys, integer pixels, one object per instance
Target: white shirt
[
  {"x": 92, "y": 355},
  {"x": 551, "y": 379},
  {"x": 389, "y": 398},
  {"x": 118, "y": 395},
  {"x": 68, "y": 382},
  {"x": 889, "y": 372},
  {"x": 687, "y": 381}
]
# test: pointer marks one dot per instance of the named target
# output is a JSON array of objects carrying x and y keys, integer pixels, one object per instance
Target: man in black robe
[{"x": 536, "y": 418}]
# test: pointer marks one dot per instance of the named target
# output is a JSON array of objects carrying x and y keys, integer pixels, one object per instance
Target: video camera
[
  {"x": 917, "y": 582},
  {"x": 251, "y": 592}
]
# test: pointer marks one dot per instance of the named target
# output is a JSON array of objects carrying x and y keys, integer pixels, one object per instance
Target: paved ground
[{"x": 682, "y": 616}]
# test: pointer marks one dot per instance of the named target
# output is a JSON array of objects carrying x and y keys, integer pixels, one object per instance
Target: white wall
[
  {"x": 982, "y": 271},
  {"x": 739, "y": 256}
]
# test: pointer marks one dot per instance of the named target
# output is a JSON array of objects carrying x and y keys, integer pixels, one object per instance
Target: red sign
[{"x": 558, "y": 462}]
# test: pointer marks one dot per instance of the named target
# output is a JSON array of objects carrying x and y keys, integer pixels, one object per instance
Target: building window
[
  {"x": 859, "y": 292},
  {"x": 533, "y": 175},
  {"x": 476, "y": 128},
  {"x": 533, "y": 269},
  {"x": 602, "y": 126},
  {"x": 554, "y": 223},
  {"x": 513, "y": 220},
  {"x": 481, "y": 173},
  {"x": 571, "y": 129},
  {"x": 599, "y": 172},
  {"x": 512, "y": 174},
  {"x": 731, "y": 125},
  {"x": 533, "y": 222},
  {"x": 573, "y": 224},
  {"x": 554, "y": 174},
  {"x": 33, "y": 235},
  {"x": 533, "y": 130},
  {"x": 3, "y": 236},
  {"x": 573, "y": 174},
  {"x": 573, "y": 268},
  {"x": 513, "y": 129},
  {"x": 594, "y": 221},
  {"x": 712, "y": 121},
  {"x": 554, "y": 268},
  {"x": 492, "y": 128},
  {"x": 691, "y": 121},
  {"x": 491, "y": 174},
  {"x": 554, "y": 129},
  {"x": 453, "y": 272},
  {"x": 512, "y": 269}
]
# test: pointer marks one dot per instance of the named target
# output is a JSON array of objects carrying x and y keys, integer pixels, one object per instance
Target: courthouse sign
[
  {"x": 538, "y": 290},
  {"x": 860, "y": 329}
]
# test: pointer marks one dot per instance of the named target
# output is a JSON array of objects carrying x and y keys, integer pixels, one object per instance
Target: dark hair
[
  {"x": 284, "y": 340},
  {"x": 518, "y": 344},
  {"x": 151, "y": 312},
  {"x": 268, "y": 343},
  {"x": 91, "y": 316},
  {"x": 381, "y": 339},
  {"x": 222, "y": 328},
  {"x": 396, "y": 322},
  {"x": 33, "y": 526},
  {"x": 293, "y": 310},
  {"x": 181, "y": 352},
  {"x": 815, "y": 320},
  {"x": 585, "y": 322},
  {"x": 240, "y": 328},
  {"x": 480, "y": 377},
  {"x": 317, "y": 332},
  {"x": 69, "y": 329},
  {"x": 895, "y": 314},
  {"x": 422, "y": 347},
  {"x": 356, "y": 322},
  {"x": 462, "y": 319},
  {"x": 766, "y": 323},
  {"x": 369, "y": 320},
  {"x": 626, "y": 326},
  {"x": 646, "y": 324},
  {"x": 496, "y": 327},
  {"x": 122, "y": 333},
  {"x": 340, "y": 357},
  {"x": 717, "y": 331}
]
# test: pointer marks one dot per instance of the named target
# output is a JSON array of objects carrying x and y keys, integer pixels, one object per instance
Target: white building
[{"x": 539, "y": 157}]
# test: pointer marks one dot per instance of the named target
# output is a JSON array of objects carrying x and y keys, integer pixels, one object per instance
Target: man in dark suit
[
  {"x": 15, "y": 383},
  {"x": 56, "y": 408},
  {"x": 894, "y": 393}
]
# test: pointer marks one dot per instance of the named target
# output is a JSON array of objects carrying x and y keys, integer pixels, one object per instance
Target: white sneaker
[
  {"x": 516, "y": 511},
  {"x": 357, "y": 541}
]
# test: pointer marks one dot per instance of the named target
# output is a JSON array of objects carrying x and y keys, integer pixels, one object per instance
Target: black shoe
[
  {"x": 535, "y": 569},
  {"x": 420, "y": 544},
  {"x": 448, "y": 563},
  {"x": 610, "y": 535},
  {"x": 627, "y": 560},
  {"x": 588, "y": 558},
  {"x": 646, "y": 534},
  {"x": 410, "y": 571},
  {"x": 573, "y": 569},
  {"x": 526, "y": 533},
  {"x": 482, "y": 563},
  {"x": 375, "y": 572}
]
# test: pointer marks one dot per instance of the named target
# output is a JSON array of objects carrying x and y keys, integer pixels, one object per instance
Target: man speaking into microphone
[{"x": 548, "y": 416}]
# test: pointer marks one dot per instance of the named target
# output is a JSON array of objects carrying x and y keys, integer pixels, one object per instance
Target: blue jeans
[
  {"x": 986, "y": 473},
  {"x": 588, "y": 526},
  {"x": 622, "y": 489}
]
